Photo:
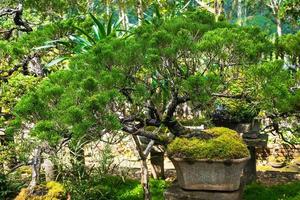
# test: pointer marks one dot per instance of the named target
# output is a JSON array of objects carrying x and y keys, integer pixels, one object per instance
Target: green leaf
[
  {"x": 86, "y": 34},
  {"x": 56, "y": 61},
  {"x": 80, "y": 40},
  {"x": 49, "y": 46},
  {"x": 96, "y": 32},
  {"x": 109, "y": 25},
  {"x": 100, "y": 26}
]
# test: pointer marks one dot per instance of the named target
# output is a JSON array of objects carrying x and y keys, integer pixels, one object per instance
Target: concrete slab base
[{"x": 176, "y": 193}]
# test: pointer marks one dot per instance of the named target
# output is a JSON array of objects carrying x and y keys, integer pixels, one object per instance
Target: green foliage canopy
[{"x": 130, "y": 83}]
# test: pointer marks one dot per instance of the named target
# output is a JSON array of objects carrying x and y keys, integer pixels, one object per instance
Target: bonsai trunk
[
  {"x": 49, "y": 169},
  {"x": 35, "y": 167},
  {"x": 175, "y": 128},
  {"x": 145, "y": 179},
  {"x": 144, "y": 167}
]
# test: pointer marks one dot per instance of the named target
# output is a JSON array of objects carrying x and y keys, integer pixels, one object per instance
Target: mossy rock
[
  {"x": 223, "y": 143},
  {"x": 51, "y": 191}
]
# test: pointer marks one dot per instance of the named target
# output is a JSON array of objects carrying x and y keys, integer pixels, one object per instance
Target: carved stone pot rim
[
  {"x": 235, "y": 160},
  {"x": 208, "y": 174}
]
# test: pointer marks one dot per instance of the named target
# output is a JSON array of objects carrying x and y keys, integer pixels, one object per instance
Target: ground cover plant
[{"x": 261, "y": 192}]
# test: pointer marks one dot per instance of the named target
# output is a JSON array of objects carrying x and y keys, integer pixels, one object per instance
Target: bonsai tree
[
  {"x": 132, "y": 83},
  {"x": 217, "y": 151}
]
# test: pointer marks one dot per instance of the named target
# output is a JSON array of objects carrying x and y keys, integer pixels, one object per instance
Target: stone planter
[
  {"x": 211, "y": 175},
  {"x": 249, "y": 129},
  {"x": 277, "y": 164}
]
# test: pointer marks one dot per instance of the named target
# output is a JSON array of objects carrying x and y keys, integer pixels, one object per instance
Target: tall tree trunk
[
  {"x": 205, "y": 6},
  {"x": 107, "y": 7},
  {"x": 239, "y": 12},
  {"x": 35, "y": 167},
  {"x": 279, "y": 26},
  {"x": 275, "y": 7},
  {"x": 231, "y": 10},
  {"x": 123, "y": 15},
  {"x": 140, "y": 11},
  {"x": 245, "y": 12},
  {"x": 90, "y": 5},
  {"x": 218, "y": 6}
]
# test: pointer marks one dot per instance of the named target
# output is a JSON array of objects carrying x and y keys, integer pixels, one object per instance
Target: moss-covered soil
[{"x": 223, "y": 143}]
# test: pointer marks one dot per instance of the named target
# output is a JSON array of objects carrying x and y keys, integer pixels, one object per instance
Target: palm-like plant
[{"x": 79, "y": 43}]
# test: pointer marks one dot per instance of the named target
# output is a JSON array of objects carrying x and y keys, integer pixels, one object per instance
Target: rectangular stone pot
[{"x": 217, "y": 175}]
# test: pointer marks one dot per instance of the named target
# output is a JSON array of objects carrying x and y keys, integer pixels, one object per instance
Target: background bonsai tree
[{"x": 132, "y": 83}]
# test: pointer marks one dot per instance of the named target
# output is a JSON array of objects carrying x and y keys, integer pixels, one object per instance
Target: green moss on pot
[{"x": 225, "y": 144}]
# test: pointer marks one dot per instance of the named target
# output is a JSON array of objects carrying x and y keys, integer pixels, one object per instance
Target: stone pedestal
[
  {"x": 249, "y": 174},
  {"x": 157, "y": 164},
  {"x": 176, "y": 193}
]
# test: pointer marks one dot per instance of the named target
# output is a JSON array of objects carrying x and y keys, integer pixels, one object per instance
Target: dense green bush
[{"x": 222, "y": 143}]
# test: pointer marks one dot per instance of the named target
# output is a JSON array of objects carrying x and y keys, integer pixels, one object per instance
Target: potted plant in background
[
  {"x": 242, "y": 116},
  {"x": 238, "y": 115},
  {"x": 213, "y": 160}
]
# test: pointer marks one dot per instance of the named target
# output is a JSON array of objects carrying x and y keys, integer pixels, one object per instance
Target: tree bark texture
[
  {"x": 35, "y": 167},
  {"x": 48, "y": 167},
  {"x": 144, "y": 168},
  {"x": 140, "y": 11},
  {"x": 123, "y": 15}
]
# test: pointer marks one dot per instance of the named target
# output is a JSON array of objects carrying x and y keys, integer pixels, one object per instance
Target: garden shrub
[{"x": 223, "y": 143}]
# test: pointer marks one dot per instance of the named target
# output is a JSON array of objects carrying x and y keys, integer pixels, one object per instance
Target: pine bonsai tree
[{"x": 132, "y": 83}]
